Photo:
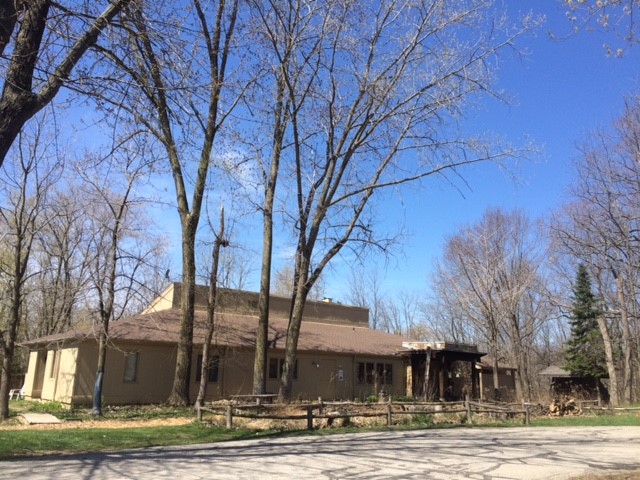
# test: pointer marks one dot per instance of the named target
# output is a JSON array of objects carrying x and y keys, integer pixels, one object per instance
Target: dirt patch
[{"x": 66, "y": 424}]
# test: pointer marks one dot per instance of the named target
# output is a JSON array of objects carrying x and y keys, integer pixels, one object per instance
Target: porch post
[
  {"x": 474, "y": 380},
  {"x": 427, "y": 368},
  {"x": 441, "y": 378}
]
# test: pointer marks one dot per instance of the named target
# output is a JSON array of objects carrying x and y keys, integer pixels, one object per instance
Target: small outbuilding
[{"x": 562, "y": 383}]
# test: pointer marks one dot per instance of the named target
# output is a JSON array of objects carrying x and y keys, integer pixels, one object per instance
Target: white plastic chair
[{"x": 18, "y": 393}]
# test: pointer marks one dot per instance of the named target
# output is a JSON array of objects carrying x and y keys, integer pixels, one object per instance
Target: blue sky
[{"x": 562, "y": 89}]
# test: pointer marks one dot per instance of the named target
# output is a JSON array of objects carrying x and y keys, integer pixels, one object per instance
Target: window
[
  {"x": 274, "y": 371},
  {"x": 275, "y": 368},
  {"x": 214, "y": 363},
  {"x": 388, "y": 374},
  {"x": 131, "y": 366},
  {"x": 370, "y": 373}
]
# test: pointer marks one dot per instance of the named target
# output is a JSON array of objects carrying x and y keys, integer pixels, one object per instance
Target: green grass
[
  {"x": 37, "y": 442},
  {"x": 618, "y": 420}
]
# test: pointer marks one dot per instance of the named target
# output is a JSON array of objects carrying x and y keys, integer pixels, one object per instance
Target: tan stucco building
[{"x": 339, "y": 356}]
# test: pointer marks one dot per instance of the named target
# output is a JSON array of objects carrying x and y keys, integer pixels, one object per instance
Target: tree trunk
[
  {"x": 517, "y": 356},
  {"x": 8, "y": 349},
  {"x": 102, "y": 360},
  {"x": 427, "y": 371},
  {"x": 291, "y": 346},
  {"x": 611, "y": 366},
  {"x": 211, "y": 313},
  {"x": 262, "y": 333},
  {"x": 180, "y": 392},
  {"x": 627, "y": 345},
  {"x": 8, "y": 343},
  {"x": 495, "y": 371},
  {"x": 18, "y": 102}
]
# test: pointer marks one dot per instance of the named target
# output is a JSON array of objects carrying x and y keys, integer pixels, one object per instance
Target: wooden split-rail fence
[{"x": 331, "y": 411}]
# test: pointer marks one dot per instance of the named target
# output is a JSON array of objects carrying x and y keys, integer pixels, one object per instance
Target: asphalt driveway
[{"x": 488, "y": 453}]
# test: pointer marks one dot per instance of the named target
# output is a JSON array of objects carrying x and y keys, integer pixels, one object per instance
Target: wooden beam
[{"x": 427, "y": 367}]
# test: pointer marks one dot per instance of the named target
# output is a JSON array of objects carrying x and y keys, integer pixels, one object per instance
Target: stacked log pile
[{"x": 560, "y": 408}]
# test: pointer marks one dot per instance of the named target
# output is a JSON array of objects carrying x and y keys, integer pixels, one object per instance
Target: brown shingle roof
[{"x": 236, "y": 330}]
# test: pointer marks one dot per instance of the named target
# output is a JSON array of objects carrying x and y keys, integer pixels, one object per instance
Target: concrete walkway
[
  {"x": 486, "y": 454},
  {"x": 39, "y": 418}
]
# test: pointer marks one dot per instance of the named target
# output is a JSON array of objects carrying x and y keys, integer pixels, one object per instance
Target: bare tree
[
  {"x": 400, "y": 315},
  {"x": 619, "y": 16},
  {"x": 170, "y": 76},
  {"x": 25, "y": 184},
  {"x": 491, "y": 271},
  {"x": 601, "y": 229},
  {"x": 375, "y": 111},
  {"x": 212, "y": 299},
  {"x": 286, "y": 41},
  {"x": 365, "y": 290},
  {"x": 283, "y": 284},
  {"x": 61, "y": 251},
  {"x": 115, "y": 258},
  {"x": 44, "y": 41}
]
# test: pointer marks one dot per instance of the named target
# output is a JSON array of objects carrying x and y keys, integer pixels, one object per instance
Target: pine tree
[{"x": 584, "y": 353}]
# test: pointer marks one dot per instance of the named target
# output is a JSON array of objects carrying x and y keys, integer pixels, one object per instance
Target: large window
[
  {"x": 214, "y": 365},
  {"x": 130, "y": 366},
  {"x": 370, "y": 373},
  {"x": 275, "y": 368}
]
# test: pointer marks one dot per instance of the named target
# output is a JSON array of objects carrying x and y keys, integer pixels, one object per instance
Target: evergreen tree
[{"x": 584, "y": 353}]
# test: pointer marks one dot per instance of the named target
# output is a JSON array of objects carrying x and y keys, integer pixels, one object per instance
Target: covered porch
[{"x": 441, "y": 370}]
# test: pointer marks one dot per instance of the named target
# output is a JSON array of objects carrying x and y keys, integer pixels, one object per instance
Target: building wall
[
  {"x": 247, "y": 303},
  {"x": 506, "y": 380},
  {"x": 58, "y": 377},
  {"x": 66, "y": 374},
  {"x": 70, "y": 377},
  {"x": 153, "y": 376},
  {"x": 30, "y": 379}
]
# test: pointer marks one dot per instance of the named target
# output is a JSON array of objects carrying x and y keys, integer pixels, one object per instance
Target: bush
[
  {"x": 54, "y": 408},
  {"x": 421, "y": 419}
]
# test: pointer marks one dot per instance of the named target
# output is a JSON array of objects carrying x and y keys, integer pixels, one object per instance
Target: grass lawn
[
  {"x": 70, "y": 440},
  {"x": 617, "y": 420}
]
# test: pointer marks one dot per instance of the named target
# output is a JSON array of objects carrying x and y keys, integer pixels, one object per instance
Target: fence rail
[{"x": 326, "y": 410}]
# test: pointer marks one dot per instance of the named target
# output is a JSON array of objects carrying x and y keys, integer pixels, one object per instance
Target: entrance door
[
  {"x": 38, "y": 381},
  {"x": 325, "y": 384}
]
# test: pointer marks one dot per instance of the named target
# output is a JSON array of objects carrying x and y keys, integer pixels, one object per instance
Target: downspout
[
  {"x": 56, "y": 368},
  {"x": 354, "y": 374}
]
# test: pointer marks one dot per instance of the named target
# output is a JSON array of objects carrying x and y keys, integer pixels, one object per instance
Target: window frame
[
  {"x": 368, "y": 372},
  {"x": 131, "y": 363},
  {"x": 277, "y": 363},
  {"x": 214, "y": 368}
]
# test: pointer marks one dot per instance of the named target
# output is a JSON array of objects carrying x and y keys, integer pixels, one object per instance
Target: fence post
[
  {"x": 527, "y": 415},
  {"x": 309, "y": 418},
  {"x": 467, "y": 405},
  {"x": 229, "y": 416},
  {"x": 199, "y": 412},
  {"x": 321, "y": 406}
]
